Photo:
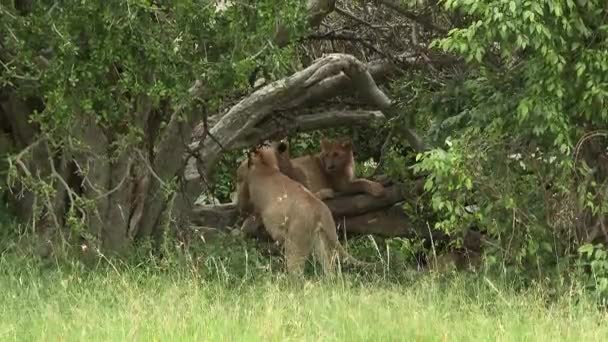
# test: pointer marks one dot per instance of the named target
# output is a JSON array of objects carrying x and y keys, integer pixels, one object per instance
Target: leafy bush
[{"x": 506, "y": 124}]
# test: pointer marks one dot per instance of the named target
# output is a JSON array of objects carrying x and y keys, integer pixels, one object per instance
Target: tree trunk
[{"x": 131, "y": 192}]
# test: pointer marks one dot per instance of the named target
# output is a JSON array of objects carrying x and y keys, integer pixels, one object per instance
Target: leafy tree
[
  {"x": 101, "y": 97},
  {"x": 535, "y": 82}
]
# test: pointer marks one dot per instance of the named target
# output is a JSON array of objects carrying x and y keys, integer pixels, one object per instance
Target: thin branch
[
  {"x": 347, "y": 36},
  {"x": 412, "y": 16},
  {"x": 19, "y": 157},
  {"x": 347, "y": 14}
]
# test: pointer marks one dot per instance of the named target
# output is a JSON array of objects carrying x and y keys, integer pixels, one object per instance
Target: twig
[
  {"x": 71, "y": 194},
  {"x": 383, "y": 150},
  {"x": 352, "y": 16},
  {"x": 585, "y": 138},
  {"x": 150, "y": 168},
  {"x": 347, "y": 36},
  {"x": 19, "y": 157},
  {"x": 411, "y": 15}
]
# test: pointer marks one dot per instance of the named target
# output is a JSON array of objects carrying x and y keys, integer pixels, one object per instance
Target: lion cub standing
[
  {"x": 293, "y": 216},
  {"x": 252, "y": 223},
  {"x": 334, "y": 170}
]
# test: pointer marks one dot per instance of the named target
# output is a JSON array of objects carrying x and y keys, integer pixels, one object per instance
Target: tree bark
[
  {"x": 291, "y": 123},
  {"x": 357, "y": 214},
  {"x": 241, "y": 120},
  {"x": 16, "y": 112}
]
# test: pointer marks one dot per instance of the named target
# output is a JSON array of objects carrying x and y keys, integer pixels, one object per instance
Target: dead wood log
[
  {"x": 382, "y": 221},
  {"x": 220, "y": 216},
  {"x": 267, "y": 128},
  {"x": 357, "y": 214},
  {"x": 386, "y": 222},
  {"x": 362, "y": 203}
]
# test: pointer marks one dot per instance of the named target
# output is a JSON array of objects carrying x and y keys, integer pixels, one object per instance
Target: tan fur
[
  {"x": 334, "y": 170},
  {"x": 293, "y": 216},
  {"x": 253, "y": 222}
]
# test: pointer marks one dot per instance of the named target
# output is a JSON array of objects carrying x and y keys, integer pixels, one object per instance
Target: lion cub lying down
[
  {"x": 333, "y": 169},
  {"x": 293, "y": 216}
]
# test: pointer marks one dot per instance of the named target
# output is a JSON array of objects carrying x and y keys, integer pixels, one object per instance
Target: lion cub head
[
  {"x": 264, "y": 157},
  {"x": 336, "y": 155}
]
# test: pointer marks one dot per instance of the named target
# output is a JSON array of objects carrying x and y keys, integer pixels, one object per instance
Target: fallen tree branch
[
  {"x": 289, "y": 124},
  {"x": 326, "y": 119},
  {"x": 249, "y": 112},
  {"x": 290, "y": 92},
  {"x": 363, "y": 203},
  {"x": 360, "y": 208}
]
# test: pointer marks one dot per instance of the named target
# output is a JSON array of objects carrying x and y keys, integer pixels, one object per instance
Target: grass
[{"x": 145, "y": 304}]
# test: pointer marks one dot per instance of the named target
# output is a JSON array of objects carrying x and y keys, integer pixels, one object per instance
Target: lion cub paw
[
  {"x": 325, "y": 193},
  {"x": 376, "y": 189}
]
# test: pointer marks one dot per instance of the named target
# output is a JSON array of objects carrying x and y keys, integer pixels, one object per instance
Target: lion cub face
[{"x": 336, "y": 155}]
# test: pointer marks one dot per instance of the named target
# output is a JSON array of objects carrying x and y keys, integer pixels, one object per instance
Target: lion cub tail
[{"x": 330, "y": 235}]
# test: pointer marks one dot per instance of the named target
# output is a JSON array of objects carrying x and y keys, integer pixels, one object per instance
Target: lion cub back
[
  {"x": 310, "y": 167},
  {"x": 271, "y": 189}
]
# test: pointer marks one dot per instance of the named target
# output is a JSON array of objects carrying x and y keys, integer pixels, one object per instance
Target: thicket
[{"x": 99, "y": 100}]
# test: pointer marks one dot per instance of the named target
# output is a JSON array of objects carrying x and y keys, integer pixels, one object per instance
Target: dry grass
[{"x": 147, "y": 305}]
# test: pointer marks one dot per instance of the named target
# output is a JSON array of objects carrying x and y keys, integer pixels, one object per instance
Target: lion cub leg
[
  {"x": 296, "y": 253},
  {"x": 363, "y": 185},
  {"x": 323, "y": 253},
  {"x": 251, "y": 225},
  {"x": 298, "y": 244}
]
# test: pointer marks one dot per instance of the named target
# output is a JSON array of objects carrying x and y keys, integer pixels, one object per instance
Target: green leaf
[
  {"x": 478, "y": 55},
  {"x": 586, "y": 249},
  {"x": 523, "y": 110},
  {"x": 428, "y": 184},
  {"x": 468, "y": 184}
]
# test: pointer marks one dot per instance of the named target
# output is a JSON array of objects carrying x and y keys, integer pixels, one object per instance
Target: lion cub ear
[
  {"x": 325, "y": 144},
  {"x": 249, "y": 158},
  {"x": 283, "y": 147},
  {"x": 346, "y": 144}
]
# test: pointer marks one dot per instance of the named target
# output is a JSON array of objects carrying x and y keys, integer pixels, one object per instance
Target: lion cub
[
  {"x": 252, "y": 223},
  {"x": 334, "y": 170},
  {"x": 293, "y": 216}
]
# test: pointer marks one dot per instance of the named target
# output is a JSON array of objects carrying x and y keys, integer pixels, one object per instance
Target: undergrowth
[
  {"x": 228, "y": 290},
  {"x": 119, "y": 301}
]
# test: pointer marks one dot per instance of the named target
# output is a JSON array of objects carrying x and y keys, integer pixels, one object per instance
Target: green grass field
[{"x": 108, "y": 304}]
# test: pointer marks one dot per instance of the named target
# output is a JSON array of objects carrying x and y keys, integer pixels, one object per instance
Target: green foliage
[
  {"x": 506, "y": 123},
  {"x": 105, "y": 53},
  {"x": 595, "y": 257},
  {"x": 109, "y": 63},
  {"x": 545, "y": 63},
  {"x": 448, "y": 176}
]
